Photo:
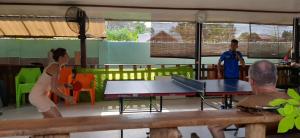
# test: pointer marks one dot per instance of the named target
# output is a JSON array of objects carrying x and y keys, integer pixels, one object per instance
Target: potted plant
[{"x": 290, "y": 111}]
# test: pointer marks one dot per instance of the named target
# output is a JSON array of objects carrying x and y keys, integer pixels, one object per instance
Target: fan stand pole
[{"x": 82, "y": 38}]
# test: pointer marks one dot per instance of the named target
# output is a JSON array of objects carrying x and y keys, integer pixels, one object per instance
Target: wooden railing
[
  {"x": 209, "y": 71},
  {"x": 149, "y": 72},
  {"x": 162, "y": 125},
  {"x": 287, "y": 77},
  {"x": 134, "y": 72}
]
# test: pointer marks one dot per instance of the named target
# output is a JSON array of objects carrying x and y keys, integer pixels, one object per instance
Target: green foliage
[
  {"x": 293, "y": 102},
  {"x": 281, "y": 112},
  {"x": 289, "y": 110},
  {"x": 285, "y": 124},
  {"x": 126, "y": 33},
  {"x": 297, "y": 122},
  {"x": 287, "y": 36},
  {"x": 277, "y": 102},
  {"x": 292, "y": 93},
  {"x": 122, "y": 34}
]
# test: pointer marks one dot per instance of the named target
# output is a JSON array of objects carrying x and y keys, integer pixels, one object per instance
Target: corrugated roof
[{"x": 45, "y": 27}]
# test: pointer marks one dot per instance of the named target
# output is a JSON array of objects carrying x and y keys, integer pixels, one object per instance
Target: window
[
  {"x": 269, "y": 41},
  {"x": 172, "y": 39},
  {"x": 217, "y": 37}
]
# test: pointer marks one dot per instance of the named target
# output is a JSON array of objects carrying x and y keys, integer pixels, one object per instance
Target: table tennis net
[{"x": 192, "y": 84}]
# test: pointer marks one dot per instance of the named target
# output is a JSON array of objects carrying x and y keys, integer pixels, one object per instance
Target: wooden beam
[
  {"x": 26, "y": 27},
  {"x": 131, "y": 121},
  {"x": 2, "y": 32},
  {"x": 53, "y": 29},
  {"x": 144, "y": 7}
]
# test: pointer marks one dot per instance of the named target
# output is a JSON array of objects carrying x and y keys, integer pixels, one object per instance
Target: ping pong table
[{"x": 177, "y": 86}]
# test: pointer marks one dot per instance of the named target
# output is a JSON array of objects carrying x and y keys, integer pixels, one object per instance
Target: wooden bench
[{"x": 160, "y": 124}]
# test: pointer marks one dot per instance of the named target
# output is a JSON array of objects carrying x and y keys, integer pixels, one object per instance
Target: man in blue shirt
[{"x": 231, "y": 59}]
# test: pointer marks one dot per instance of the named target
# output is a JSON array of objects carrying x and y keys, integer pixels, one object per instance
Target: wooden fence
[{"x": 149, "y": 72}]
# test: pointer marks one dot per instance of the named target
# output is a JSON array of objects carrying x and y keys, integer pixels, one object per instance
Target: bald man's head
[{"x": 263, "y": 73}]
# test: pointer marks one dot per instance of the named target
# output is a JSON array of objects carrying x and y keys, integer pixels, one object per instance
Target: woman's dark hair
[{"x": 59, "y": 52}]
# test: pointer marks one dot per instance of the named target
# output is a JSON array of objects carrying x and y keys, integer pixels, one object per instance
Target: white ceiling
[{"x": 247, "y": 11}]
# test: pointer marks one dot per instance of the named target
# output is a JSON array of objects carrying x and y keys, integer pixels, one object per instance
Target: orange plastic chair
[
  {"x": 65, "y": 77},
  {"x": 88, "y": 83}
]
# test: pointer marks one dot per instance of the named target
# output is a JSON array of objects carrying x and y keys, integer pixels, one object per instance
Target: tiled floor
[{"x": 110, "y": 108}]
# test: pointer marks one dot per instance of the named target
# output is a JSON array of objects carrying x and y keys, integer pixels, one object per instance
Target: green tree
[
  {"x": 123, "y": 34},
  {"x": 140, "y": 28},
  {"x": 126, "y": 33},
  {"x": 287, "y": 36}
]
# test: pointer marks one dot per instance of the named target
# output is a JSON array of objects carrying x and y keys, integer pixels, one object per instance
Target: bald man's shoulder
[{"x": 261, "y": 99}]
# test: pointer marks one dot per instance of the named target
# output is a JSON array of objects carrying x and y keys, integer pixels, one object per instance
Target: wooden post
[
  {"x": 149, "y": 72},
  {"x": 135, "y": 72},
  {"x": 191, "y": 73},
  {"x": 255, "y": 131},
  {"x": 163, "y": 70},
  {"x": 178, "y": 69},
  {"x": 106, "y": 72},
  {"x": 164, "y": 133},
  {"x": 202, "y": 71},
  {"x": 121, "y": 72},
  {"x": 215, "y": 68}
]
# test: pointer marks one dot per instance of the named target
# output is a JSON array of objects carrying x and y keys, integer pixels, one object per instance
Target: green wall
[{"x": 39, "y": 48}]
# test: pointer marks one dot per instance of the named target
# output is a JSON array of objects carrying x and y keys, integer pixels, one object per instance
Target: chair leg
[
  {"x": 23, "y": 98},
  {"x": 92, "y": 95},
  {"x": 67, "y": 92},
  {"x": 76, "y": 96},
  {"x": 18, "y": 100}
]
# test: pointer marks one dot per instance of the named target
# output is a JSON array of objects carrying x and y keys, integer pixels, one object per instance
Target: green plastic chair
[{"x": 25, "y": 80}]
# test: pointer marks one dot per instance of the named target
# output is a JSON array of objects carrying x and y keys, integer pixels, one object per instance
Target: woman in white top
[{"x": 48, "y": 82}]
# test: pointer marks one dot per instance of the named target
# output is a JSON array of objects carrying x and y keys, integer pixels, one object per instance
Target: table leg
[
  {"x": 150, "y": 104},
  {"x": 121, "y": 105},
  {"x": 122, "y": 133},
  {"x": 202, "y": 100},
  {"x": 161, "y": 104},
  {"x": 225, "y": 102},
  {"x": 230, "y": 101}
]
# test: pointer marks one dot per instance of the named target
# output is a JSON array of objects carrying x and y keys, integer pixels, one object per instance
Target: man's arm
[
  {"x": 241, "y": 59},
  {"x": 219, "y": 66},
  {"x": 219, "y": 69}
]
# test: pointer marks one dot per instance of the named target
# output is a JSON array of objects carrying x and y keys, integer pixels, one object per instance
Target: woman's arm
[{"x": 56, "y": 87}]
